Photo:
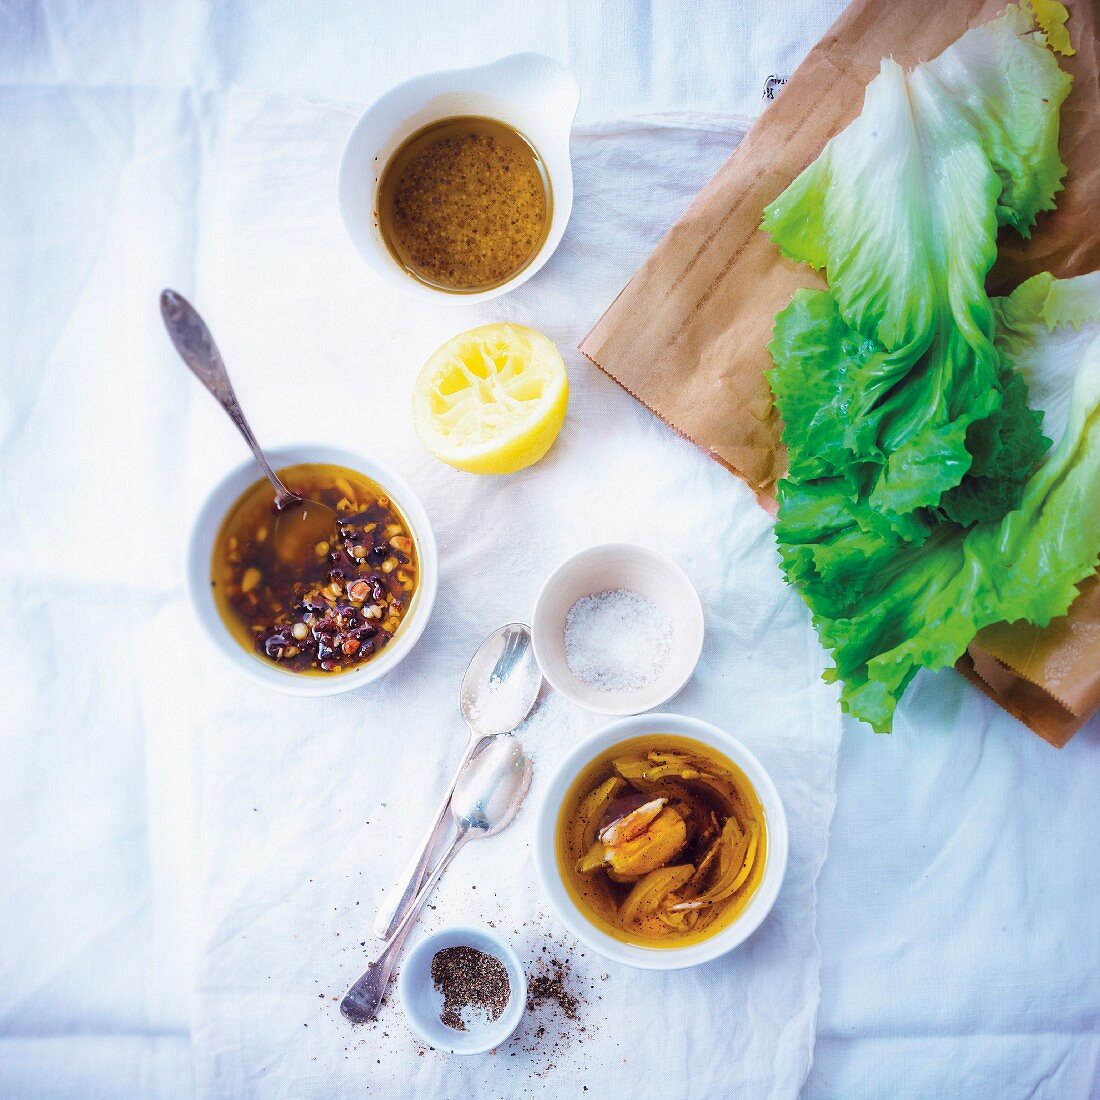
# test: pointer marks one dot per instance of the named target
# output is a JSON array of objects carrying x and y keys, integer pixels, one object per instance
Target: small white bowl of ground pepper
[{"x": 464, "y": 990}]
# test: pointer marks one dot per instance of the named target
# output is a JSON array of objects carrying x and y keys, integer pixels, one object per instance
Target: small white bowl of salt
[{"x": 618, "y": 628}]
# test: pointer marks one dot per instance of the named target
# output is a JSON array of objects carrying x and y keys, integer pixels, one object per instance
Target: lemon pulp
[{"x": 491, "y": 400}]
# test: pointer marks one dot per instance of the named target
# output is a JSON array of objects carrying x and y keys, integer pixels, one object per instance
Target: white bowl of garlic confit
[{"x": 661, "y": 842}]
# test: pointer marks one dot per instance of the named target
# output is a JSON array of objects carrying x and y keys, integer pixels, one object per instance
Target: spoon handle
[
  {"x": 361, "y": 1002},
  {"x": 398, "y": 900},
  {"x": 195, "y": 344}
]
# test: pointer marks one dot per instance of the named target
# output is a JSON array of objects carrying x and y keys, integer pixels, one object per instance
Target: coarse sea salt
[{"x": 617, "y": 640}]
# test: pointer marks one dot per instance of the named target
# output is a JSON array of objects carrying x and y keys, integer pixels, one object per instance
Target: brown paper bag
[
  {"x": 688, "y": 334},
  {"x": 1048, "y": 678}
]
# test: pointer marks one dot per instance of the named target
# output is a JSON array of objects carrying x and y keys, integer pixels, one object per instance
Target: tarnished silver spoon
[
  {"x": 498, "y": 691},
  {"x": 490, "y": 789},
  {"x": 300, "y": 524}
]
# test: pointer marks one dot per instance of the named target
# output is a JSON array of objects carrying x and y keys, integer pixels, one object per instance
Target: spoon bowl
[
  {"x": 491, "y": 787},
  {"x": 300, "y": 526},
  {"x": 501, "y": 683},
  {"x": 500, "y": 687}
]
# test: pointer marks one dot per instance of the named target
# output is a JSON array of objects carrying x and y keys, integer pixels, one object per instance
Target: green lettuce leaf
[
  {"x": 901, "y": 210},
  {"x": 918, "y": 506},
  {"x": 886, "y": 610},
  {"x": 1044, "y": 327}
]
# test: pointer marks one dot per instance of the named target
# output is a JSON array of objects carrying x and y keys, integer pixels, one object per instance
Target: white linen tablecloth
[
  {"x": 302, "y": 839},
  {"x": 164, "y": 819}
]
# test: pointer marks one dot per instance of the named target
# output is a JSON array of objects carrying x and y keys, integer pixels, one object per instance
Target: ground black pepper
[
  {"x": 469, "y": 978},
  {"x": 550, "y": 985}
]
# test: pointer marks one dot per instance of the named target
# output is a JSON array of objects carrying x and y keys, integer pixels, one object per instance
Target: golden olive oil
[{"x": 661, "y": 841}]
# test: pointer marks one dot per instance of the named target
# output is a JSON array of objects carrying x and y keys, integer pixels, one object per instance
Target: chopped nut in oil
[{"x": 339, "y": 609}]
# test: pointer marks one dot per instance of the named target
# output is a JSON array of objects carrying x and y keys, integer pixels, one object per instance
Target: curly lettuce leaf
[
  {"x": 901, "y": 210},
  {"x": 918, "y": 507},
  {"x": 1043, "y": 328},
  {"x": 1005, "y": 448},
  {"x": 886, "y": 610},
  {"x": 1052, "y": 17},
  {"x": 1027, "y": 566},
  {"x": 834, "y": 390}
]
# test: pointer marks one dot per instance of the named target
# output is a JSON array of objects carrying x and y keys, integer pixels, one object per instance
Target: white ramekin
[
  {"x": 618, "y": 565},
  {"x": 532, "y": 93},
  {"x": 659, "y": 958},
  {"x": 422, "y": 1002},
  {"x": 209, "y": 520}
]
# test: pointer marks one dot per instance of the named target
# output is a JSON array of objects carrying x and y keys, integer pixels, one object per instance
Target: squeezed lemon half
[{"x": 491, "y": 400}]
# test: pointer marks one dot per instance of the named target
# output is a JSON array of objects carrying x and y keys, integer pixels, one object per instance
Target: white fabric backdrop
[{"x": 957, "y": 909}]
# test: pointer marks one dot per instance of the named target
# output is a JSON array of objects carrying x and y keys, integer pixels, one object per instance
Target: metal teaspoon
[
  {"x": 300, "y": 523},
  {"x": 498, "y": 691},
  {"x": 491, "y": 787}
]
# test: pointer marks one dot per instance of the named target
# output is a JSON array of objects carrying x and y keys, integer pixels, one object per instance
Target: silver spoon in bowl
[
  {"x": 490, "y": 789},
  {"x": 300, "y": 524},
  {"x": 498, "y": 691}
]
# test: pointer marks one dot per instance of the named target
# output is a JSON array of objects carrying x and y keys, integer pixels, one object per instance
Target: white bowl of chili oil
[{"x": 292, "y": 664}]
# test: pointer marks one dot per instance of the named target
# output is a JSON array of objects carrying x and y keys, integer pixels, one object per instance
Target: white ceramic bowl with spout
[{"x": 530, "y": 92}]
